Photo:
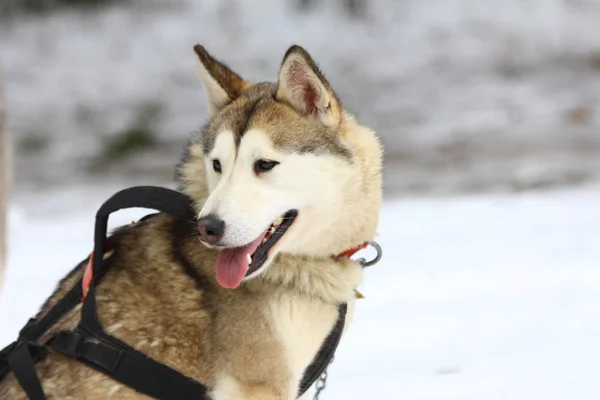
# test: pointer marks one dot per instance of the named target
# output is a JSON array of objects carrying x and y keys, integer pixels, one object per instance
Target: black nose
[{"x": 211, "y": 229}]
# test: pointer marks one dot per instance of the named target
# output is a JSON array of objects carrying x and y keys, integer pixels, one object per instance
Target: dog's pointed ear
[
  {"x": 222, "y": 85},
  {"x": 304, "y": 87}
]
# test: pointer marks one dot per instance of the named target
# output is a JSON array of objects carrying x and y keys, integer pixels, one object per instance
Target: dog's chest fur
[
  {"x": 297, "y": 325},
  {"x": 301, "y": 324}
]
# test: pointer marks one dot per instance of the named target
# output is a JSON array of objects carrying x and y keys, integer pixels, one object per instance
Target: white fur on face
[
  {"x": 248, "y": 203},
  {"x": 318, "y": 185}
]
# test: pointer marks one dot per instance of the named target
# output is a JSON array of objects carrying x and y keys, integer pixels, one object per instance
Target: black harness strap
[
  {"x": 157, "y": 198},
  {"x": 88, "y": 342},
  {"x": 326, "y": 352},
  {"x": 34, "y": 328},
  {"x": 21, "y": 363}
]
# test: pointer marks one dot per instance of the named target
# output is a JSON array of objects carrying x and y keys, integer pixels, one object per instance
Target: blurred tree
[
  {"x": 354, "y": 8},
  {"x": 10, "y": 6},
  {"x": 305, "y": 5}
]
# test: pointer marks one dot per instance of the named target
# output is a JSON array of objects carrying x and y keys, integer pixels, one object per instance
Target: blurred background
[
  {"x": 489, "y": 112},
  {"x": 468, "y": 96}
]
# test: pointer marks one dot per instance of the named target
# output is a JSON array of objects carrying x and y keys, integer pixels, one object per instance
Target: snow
[{"x": 477, "y": 297}]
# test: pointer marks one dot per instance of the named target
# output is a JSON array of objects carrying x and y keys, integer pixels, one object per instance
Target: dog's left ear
[
  {"x": 222, "y": 85},
  {"x": 304, "y": 87}
]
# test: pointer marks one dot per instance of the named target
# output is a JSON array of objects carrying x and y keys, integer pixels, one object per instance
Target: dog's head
[{"x": 279, "y": 167}]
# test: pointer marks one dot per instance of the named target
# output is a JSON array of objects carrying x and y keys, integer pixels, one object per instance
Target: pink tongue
[{"x": 232, "y": 264}]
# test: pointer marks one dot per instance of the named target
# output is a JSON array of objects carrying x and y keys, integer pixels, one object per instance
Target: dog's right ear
[
  {"x": 304, "y": 87},
  {"x": 222, "y": 85}
]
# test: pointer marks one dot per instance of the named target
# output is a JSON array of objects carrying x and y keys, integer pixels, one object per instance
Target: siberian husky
[{"x": 282, "y": 177}]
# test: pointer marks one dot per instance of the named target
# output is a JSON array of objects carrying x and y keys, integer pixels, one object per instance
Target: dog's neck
[{"x": 332, "y": 280}]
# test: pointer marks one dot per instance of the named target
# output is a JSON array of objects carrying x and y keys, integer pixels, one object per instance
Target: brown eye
[
  {"x": 217, "y": 166},
  {"x": 264, "y": 165}
]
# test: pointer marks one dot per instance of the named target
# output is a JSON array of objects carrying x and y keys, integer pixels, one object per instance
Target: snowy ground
[
  {"x": 477, "y": 297},
  {"x": 468, "y": 95}
]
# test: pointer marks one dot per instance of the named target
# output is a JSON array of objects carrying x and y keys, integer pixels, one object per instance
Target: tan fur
[
  {"x": 255, "y": 341},
  {"x": 5, "y": 172},
  {"x": 224, "y": 83},
  {"x": 300, "y": 79}
]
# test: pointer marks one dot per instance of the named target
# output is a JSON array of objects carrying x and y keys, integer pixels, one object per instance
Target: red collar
[{"x": 350, "y": 252}]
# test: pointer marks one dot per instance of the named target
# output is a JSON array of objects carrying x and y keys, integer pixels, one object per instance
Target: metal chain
[{"x": 321, "y": 383}]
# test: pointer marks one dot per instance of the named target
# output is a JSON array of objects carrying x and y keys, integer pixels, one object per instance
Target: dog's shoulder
[{"x": 141, "y": 246}]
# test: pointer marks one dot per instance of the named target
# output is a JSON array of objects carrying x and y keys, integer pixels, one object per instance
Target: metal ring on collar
[{"x": 364, "y": 263}]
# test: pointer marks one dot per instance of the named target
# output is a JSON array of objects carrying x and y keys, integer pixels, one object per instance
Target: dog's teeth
[
  {"x": 272, "y": 231},
  {"x": 278, "y": 221},
  {"x": 249, "y": 258}
]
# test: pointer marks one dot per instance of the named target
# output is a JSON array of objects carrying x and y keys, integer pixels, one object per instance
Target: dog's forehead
[{"x": 287, "y": 130}]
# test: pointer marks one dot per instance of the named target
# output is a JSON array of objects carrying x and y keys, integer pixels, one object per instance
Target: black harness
[{"x": 90, "y": 344}]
